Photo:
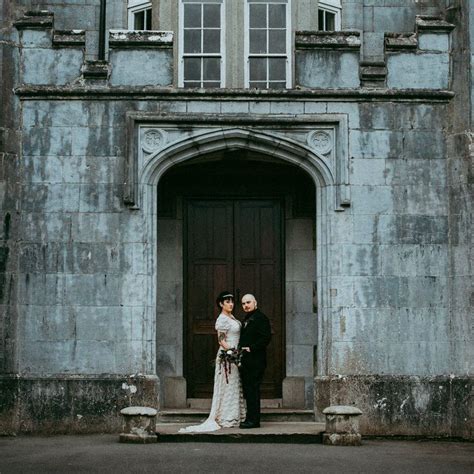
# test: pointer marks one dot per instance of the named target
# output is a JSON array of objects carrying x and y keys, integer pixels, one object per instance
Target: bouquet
[{"x": 227, "y": 358}]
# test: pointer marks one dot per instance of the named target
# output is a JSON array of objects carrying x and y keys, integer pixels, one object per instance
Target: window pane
[
  {"x": 258, "y": 41},
  {"x": 257, "y": 84},
  {"x": 148, "y": 19},
  {"x": 277, "y": 85},
  {"x": 212, "y": 41},
  {"x": 139, "y": 21},
  {"x": 258, "y": 16},
  {"x": 192, "y": 41},
  {"x": 189, "y": 84},
  {"x": 320, "y": 20},
  {"x": 330, "y": 21},
  {"x": 277, "y": 69},
  {"x": 258, "y": 69},
  {"x": 211, "y": 84},
  {"x": 212, "y": 16},
  {"x": 212, "y": 69},
  {"x": 277, "y": 16},
  {"x": 192, "y": 69},
  {"x": 277, "y": 41},
  {"x": 192, "y": 15}
]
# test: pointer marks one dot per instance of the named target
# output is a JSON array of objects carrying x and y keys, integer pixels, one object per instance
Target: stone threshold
[{"x": 269, "y": 432}]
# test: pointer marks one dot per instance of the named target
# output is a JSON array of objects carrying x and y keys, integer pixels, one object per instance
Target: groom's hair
[
  {"x": 223, "y": 295},
  {"x": 252, "y": 297}
]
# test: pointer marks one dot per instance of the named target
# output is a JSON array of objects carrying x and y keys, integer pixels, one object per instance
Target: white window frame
[
  {"x": 289, "y": 56},
  {"x": 332, "y": 6},
  {"x": 135, "y": 6},
  {"x": 181, "y": 40}
]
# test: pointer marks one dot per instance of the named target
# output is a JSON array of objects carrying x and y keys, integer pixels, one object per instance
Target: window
[
  {"x": 139, "y": 15},
  {"x": 329, "y": 15},
  {"x": 267, "y": 44},
  {"x": 201, "y": 43}
]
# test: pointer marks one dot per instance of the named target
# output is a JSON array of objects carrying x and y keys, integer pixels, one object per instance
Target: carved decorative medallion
[
  {"x": 321, "y": 141},
  {"x": 153, "y": 140}
]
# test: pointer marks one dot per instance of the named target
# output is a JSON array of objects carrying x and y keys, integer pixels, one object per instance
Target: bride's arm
[{"x": 221, "y": 338}]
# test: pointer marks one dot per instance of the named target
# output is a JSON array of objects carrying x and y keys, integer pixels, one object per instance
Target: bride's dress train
[{"x": 227, "y": 408}]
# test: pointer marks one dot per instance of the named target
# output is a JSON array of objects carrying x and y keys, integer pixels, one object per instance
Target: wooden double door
[{"x": 234, "y": 245}]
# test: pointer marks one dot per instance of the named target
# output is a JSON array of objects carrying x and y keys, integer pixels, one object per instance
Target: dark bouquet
[{"x": 227, "y": 358}]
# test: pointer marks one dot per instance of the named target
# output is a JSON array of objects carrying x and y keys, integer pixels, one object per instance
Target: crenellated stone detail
[
  {"x": 40, "y": 19},
  {"x": 327, "y": 39},
  {"x": 70, "y": 38},
  {"x": 95, "y": 70},
  {"x": 373, "y": 74},
  {"x": 140, "y": 39}
]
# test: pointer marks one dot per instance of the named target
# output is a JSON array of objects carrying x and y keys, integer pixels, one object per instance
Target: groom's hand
[{"x": 246, "y": 349}]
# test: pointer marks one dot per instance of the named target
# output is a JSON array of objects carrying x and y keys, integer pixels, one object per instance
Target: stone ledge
[
  {"x": 433, "y": 24},
  {"x": 39, "y": 19},
  {"x": 140, "y": 39},
  {"x": 327, "y": 40},
  {"x": 400, "y": 41},
  {"x": 342, "y": 410},
  {"x": 95, "y": 70},
  {"x": 70, "y": 38}
]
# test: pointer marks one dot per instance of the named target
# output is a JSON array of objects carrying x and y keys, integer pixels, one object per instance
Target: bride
[{"x": 227, "y": 408}]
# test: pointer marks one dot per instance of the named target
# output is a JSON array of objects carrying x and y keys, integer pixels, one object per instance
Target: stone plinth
[
  {"x": 342, "y": 426},
  {"x": 139, "y": 425}
]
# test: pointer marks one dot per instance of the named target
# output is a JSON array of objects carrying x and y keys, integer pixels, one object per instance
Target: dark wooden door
[{"x": 233, "y": 245}]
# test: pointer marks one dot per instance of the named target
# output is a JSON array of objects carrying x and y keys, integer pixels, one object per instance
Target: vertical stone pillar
[
  {"x": 139, "y": 425},
  {"x": 342, "y": 426}
]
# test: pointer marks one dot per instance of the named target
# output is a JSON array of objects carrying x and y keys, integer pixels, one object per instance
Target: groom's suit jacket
[{"x": 255, "y": 334}]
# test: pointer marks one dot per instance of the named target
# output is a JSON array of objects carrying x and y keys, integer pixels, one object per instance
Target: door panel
[{"x": 231, "y": 244}]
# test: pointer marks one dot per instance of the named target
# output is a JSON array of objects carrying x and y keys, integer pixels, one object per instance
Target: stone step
[
  {"x": 197, "y": 415},
  {"x": 205, "y": 403},
  {"x": 269, "y": 432}
]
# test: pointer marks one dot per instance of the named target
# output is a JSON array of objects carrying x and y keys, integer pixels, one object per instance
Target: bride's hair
[{"x": 223, "y": 295}]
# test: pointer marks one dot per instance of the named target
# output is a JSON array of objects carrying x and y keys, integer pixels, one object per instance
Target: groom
[{"x": 254, "y": 338}]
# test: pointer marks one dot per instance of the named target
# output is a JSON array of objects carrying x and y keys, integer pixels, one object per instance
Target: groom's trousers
[{"x": 251, "y": 382}]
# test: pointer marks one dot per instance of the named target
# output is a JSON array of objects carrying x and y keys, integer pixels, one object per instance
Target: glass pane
[
  {"x": 321, "y": 20},
  {"x": 212, "y": 69},
  {"x": 277, "y": 85},
  {"x": 192, "y": 41},
  {"x": 277, "y": 69},
  {"x": 212, "y": 84},
  {"x": 148, "y": 19},
  {"x": 330, "y": 21},
  {"x": 192, "y": 15},
  {"x": 212, "y": 41},
  {"x": 139, "y": 21},
  {"x": 192, "y": 69},
  {"x": 277, "y": 16},
  {"x": 258, "y": 16},
  {"x": 212, "y": 16},
  {"x": 277, "y": 41},
  {"x": 257, "y": 69},
  {"x": 258, "y": 41},
  {"x": 257, "y": 85},
  {"x": 189, "y": 84}
]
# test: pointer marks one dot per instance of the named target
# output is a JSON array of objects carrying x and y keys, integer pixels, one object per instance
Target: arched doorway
[{"x": 242, "y": 221}]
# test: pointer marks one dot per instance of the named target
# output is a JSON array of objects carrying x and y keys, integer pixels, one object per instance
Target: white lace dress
[{"x": 227, "y": 408}]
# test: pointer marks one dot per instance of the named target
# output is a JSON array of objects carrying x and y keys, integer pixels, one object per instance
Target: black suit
[{"x": 255, "y": 334}]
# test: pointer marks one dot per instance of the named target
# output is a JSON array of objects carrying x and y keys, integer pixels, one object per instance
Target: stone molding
[
  {"x": 38, "y": 19},
  {"x": 327, "y": 40},
  {"x": 140, "y": 39},
  {"x": 288, "y": 138},
  {"x": 68, "y": 38}
]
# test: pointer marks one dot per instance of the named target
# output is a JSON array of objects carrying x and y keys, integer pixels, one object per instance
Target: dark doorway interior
[{"x": 233, "y": 206}]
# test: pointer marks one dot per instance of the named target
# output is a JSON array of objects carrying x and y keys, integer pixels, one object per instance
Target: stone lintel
[
  {"x": 327, "y": 40},
  {"x": 400, "y": 41},
  {"x": 39, "y": 19},
  {"x": 140, "y": 39},
  {"x": 69, "y": 38},
  {"x": 433, "y": 24}
]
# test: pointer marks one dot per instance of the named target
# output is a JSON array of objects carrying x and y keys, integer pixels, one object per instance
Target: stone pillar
[
  {"x": 342, "y": 426},
  {"x": 139, "y": 425}
]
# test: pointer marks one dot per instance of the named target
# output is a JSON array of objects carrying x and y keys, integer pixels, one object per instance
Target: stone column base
[
  {"x": 342, "y": 439},
  {"x": 139, "y": 425}
]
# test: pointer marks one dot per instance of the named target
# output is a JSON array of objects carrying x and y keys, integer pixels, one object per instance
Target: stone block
[
  {"x": 36, "y": 38},
  {"x": 293, "y": 392},
  {"x": 174, "y": 395},
  {"x": 141, "y": 67},
  {"x": 342, "y": 426},
  {"x": 433, "y": 42},
  {"x": 139, "y": 425},
  {"x": 418, "y": 71},
  {"x": 330, "y": 69}
]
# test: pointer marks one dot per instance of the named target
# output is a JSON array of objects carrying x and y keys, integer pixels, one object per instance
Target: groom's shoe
[{"x": 248, "y": 424}]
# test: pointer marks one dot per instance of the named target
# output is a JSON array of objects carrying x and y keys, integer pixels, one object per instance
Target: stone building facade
[{"x": 329, "y": 172}]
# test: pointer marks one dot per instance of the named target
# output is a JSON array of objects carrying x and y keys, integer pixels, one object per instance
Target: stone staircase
[{"x": 281, "y": 425}]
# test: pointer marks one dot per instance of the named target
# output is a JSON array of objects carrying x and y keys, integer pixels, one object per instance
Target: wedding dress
[{"x": 227, "y": 408}]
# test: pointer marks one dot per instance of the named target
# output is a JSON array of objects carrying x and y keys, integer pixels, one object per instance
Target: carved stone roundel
[
  {"x": 152, "y": 140},
  {"x": 321, "y": 141}
]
